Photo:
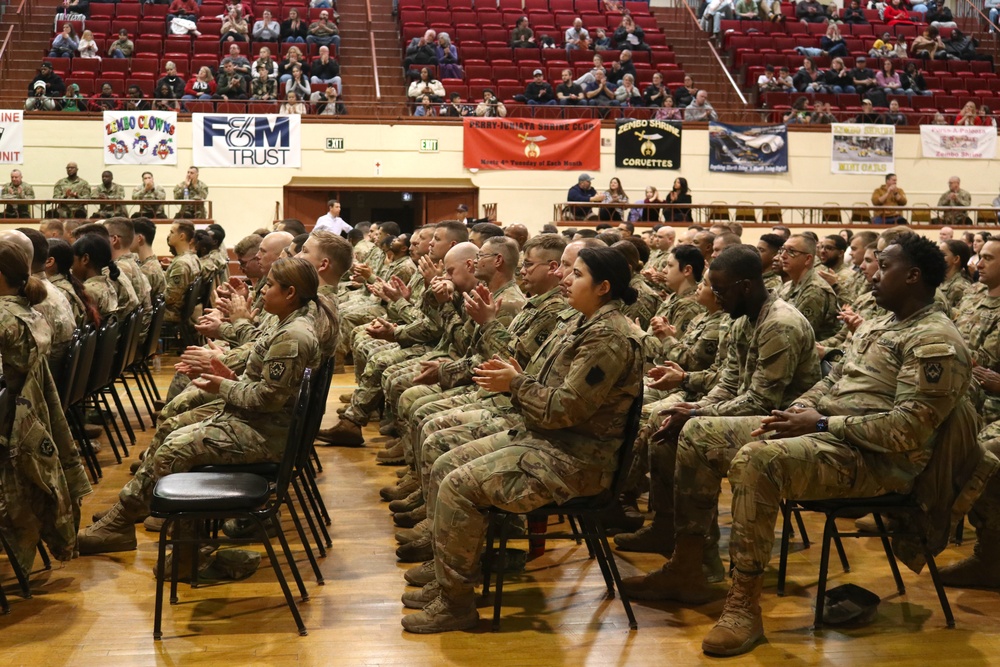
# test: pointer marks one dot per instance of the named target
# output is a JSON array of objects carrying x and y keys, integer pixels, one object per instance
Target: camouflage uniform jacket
[
  {"x": 697, "y": 349},
  {"x": 9, "y": 191},
  {"x": 850, "y": 282},
  {"x": 645, "y": 304},
  {"x": 461, "y": 337},
  {"x": 898, "y": 382},
  {"x": 772, "y": 281},
  {"x": 128, "y": 300},
  {"x": 154, "y": 274},
  {"x": 459, "y": 371},
  {"x": 181, "y": 273},
  {"x": 955, "y": 288},
  {"x": 815, "y": 299},
  {"x": 678, "y": 310},
  {"x": 211, "y": 264},
  {"x": 263, "y": 396},
  {"x": 63, "y": 284},
  {"x": 578, "y": 400},
  {"x": 865, "y": 306},
  {"x": 129, "y": 266},
  {"x": 770, "y": 362},
  {"x": 699, "y": 383},
  {"x": 78, "y": 186},
  {"x": 43, "y": 477},
  {"x": 979, "y": 324},
  {"x": 59, "y": 315},
  {"x": 114, "y": 192},
  {"x": 407, "y": 311},
  {"x": 156, "y": 194},
  {"x": 198, "y": 190},
  {"x": 103, "y": 294},
  {"x": 527, "y": 331}
]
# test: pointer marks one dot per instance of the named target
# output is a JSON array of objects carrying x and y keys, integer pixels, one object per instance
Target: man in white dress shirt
[{"x": 332, "y": 221}]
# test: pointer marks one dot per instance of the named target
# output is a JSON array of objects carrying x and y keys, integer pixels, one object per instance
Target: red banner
[{"x": 524, "y": 143}]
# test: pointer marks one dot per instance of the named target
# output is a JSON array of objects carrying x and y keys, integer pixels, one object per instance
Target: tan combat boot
[
  {"x": 407, "y": 504},
  {"x": 406, "y": 485},
  {"x": 416, "y": 551},
  {"x": 114, "y": 532},
  {"x": 656, "y": 537},
  {"x": 394, "y": 455},
  {"x": 422, "y": 529},
  {"x": 980, "y": 570},
  {"x": 443, "y": 615},
  {"x": 681, "y": 579},
  {"x": 740, "y": 626},
  {"x": 421, "y": 575},
  {"x": 345, "y": 434},
  {"x": 422, "y": 597}
]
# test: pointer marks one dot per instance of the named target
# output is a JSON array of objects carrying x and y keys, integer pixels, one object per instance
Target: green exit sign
[
  {"x": 428, "y": 145},
  {"x": 336, "y": 144}
]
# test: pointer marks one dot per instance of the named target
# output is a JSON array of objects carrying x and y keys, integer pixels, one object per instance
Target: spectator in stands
[
  {"x": 700, "y": 108},
  {"x": 293, "y": 104},
  {"x": 628, "y": 35},
  {"x": 747, "y": 10},
  {"x": 601, "y": 40},
  {"x": 652, "y": 196},
  {"x": 327, "y": 103},
  {"x": 491, "y": 107},
  {"x": 893, "y": 116},
  {"x": 895, "y": 13},
  {"x": 294, "y": 29},
  {"x": 569, "y": 92},
  {"x": 867, "y": 115},
  {"x": 627, "y": 64},
  {"x": 266, "y": 29},
  {"x": 577, "y": 37},
  {"x": 317, "y": 4},
  {"x": 149, "y": 190},
  {"x": 39, "y": 98},
  {"x": 864, "y": 77},
  {"x": 855, "y": 15},
  {"x": 837, "y": 78},
  {"x": 969, "y": 115},
  {"x": 583, "y": 191},
  {"x": 928, "y": 44},
  {"x": 912, "y": 79},
  {"x": 106, "y": 100},
  {"x": 264, "y": 60},
  {"x": 987, "y": 115},
  {"x": 599, "y": 93},
  {"x": 960, "y": 46},
  {"x": 668, "y": 111},
  {"x": 899, "y": 50},
  {"x": 994, "y": 13},
  {"x": 810, "y": 11},
  {"x": 799, "y": 113},
  {"x": 656, "y": 92},
  {"x": 123, "y": 47},
  {"x": 715, "y": 12},
  {"x": 201, "y": 86},
  {"x": 183, "y": 9},
  {"x": 939, "y": 119},
  {"x": 424, "y": 107},
  {"x": 234, "y": 28},
  {"x": 135, "y": 100},
  {"x": 87, "y": 47},
  {"x": 615, "y": 74},
  {"x": 174, "y": 82},
  {"x": 454, "y": 108},
  {"x": 241, "y": 65},
  {"x": 955, "y": 196},
  {"x": 263, "y": 87},
  {"x": 447, "y": 58},
  {"x": 881, "y": 48},
  {"x": 298, "y": 84},
  {"x": 230, "y": 85},
  {"x": 539, "y": 91},
  {"x": 325, "y": 70},
  {"x": 426, "y": 85},
  {"x": 821, "y": 114},
  {"x": 421, "y": 51},
  {"x": 679, "y": 194},
  {"x": 615, "y": 194},
  {"x": 809, "y": 79},
  {"x": 588, "y": 77},
  {"x": 73, "y": 100},
  {"x": 888, "y": 79},
  {"x": 54, "y": 85},
  {"x": 165, "y": 99},
  {"x": 65, "y": 44},
  {"x": 628, "y": 94},
  {"x": 522, "y": 37},
  {"x": 323, "y": 31},
  {"x": 833, "y": 42},
  {"x": 682, "y": 94},
  {"x": 889, "y": 194},
  {"x": 292, "y": 59}
]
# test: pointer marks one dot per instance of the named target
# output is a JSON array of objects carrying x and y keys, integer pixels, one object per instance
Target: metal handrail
[
  {"x": 729, "y": 76},
  {"x": 371, "y": 42},
  {"x": 130, "y": 205}
]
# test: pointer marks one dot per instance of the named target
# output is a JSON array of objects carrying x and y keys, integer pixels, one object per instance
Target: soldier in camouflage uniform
[
  {"x": 42, "y": 479},
  {"x": 840, "y": 276},
  {"x": 122, "y": 234},
  {"x": 191, "y": 189},
  {"x": 769, "y": 246},
  {"x": 182, "y": 270},
  {"x": 109, "y": 190},
  {"x": 92, "y": 255},
  {"x": 863, "y": 308},
  {"x": 142, "y": 252},
  {"x": 71, "y": 187},
  {"x": 867, "y": 429},
  {"x": 16, "y": 189},
  {"x": 957, "y": 281},
  {"x": 684, "y": 268},
  {"x": 771, "y": 360},
  {"x": 574, "y": 410},
  {"x": 60, "y": 278},
  {"x": 55, "y": 307},
  {"x": 648, "y": 300},
  {"x": 249, "y": 421},
  {"x": 811, "y": 295},
  {"x": 149, "y": 191}
]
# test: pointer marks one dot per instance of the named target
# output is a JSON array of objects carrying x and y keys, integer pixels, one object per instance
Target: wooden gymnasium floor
[{"x": 98, "y": 610}]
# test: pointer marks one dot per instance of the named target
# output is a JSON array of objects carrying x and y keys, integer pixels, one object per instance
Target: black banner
[{"x": 648, "y": 144}]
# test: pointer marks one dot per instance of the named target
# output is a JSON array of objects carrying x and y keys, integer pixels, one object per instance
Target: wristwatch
[{"x": 823, "y": 425}]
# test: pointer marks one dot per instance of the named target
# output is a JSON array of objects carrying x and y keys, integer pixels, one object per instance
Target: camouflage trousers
[
  {"x": 985, "y": 513},
  {"x": 762, "y": 473},
  {"x": 177, "y": 385},
  {"x": 514, "y": 473},
  {"x": 363, "y": 347},
  {"x": 420, "y": 402},
  {"x": 399, "y": 378},
  {"x": 369, "y": 395},
  {"x": 653, "y": 414},
  {"x": 215, "y": 438},
  {"x": 188, "y": 399},
  {"x": 356, "y": 315}
]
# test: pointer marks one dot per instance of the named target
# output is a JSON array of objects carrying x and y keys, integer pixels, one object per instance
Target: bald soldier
[{"x": 811, "y": 295}]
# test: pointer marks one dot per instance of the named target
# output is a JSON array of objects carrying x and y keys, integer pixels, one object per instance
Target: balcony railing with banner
[
  {"x": 748, "y": 214},
  {"x": 14, "y": 210}
]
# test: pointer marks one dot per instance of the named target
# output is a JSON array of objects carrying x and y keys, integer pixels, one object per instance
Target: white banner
[
  {"x": 246, "y": 140},
  {"x": 140, "y": 137},
  {"x": 11, "y": 136},
  {"x": 863, "y": 149},
  {"x": 959, "y": 141}
]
